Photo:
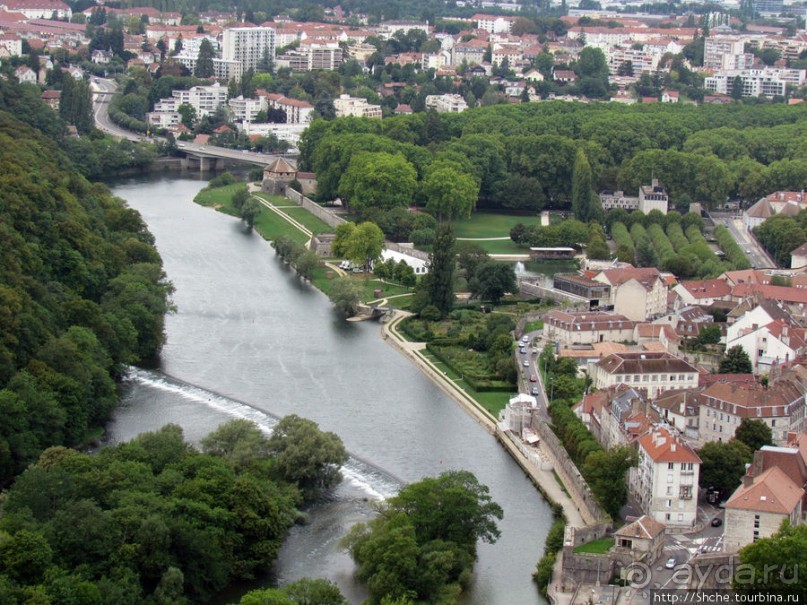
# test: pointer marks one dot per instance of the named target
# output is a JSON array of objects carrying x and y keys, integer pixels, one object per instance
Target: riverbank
[{"x": 529, "y": 459}]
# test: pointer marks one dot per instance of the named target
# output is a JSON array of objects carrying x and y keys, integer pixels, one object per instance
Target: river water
[{"x": 250, "y": 340}]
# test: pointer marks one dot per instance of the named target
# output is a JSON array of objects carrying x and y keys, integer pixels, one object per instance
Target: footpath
[{"x": 542, "y": 476}]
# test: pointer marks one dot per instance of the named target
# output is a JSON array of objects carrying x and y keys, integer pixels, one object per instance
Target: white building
[
  {"x": 570, "y": 329},
  {"x": 755, "y": 83},
  {"x": 297, "y": 111},
  {"x": 665, "y": 482},
  {"x": 618, "y": 199},
  {"x": 419, "y": 265},
  {"x": 719, "y": 52},
  {"x": 190, "y": 50},
  {"x": 204, "y": 99},
  {"x": 446, "y": 103},
  {"x": 164, "y": 119},
  {"x": 652, "y": 372},
  {"x": 25, "y": 75},
  {"x": 653, "y": 197},
  {"x": 346, "y": 105},
  {"x": 284, "y": 132},
  {"x": 246, "y": 110},
  {"x": 38, "y": 9},
  {"x": 767, "y": 334},
  {"x": 249, "y": 45},
  {"x": 638, "y": 294}
]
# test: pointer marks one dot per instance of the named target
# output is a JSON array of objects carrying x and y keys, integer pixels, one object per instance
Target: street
[{"x": 757, "y": 256}]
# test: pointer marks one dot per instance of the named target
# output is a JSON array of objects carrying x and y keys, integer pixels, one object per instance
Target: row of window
[{"x": 646, "y": 378}]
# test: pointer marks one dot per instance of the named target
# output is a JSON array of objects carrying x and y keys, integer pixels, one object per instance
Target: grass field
[
  {"x": 304, "y": 217},
  {"x": 483, "y": 224},
  {"x": 597, "y": 547}
]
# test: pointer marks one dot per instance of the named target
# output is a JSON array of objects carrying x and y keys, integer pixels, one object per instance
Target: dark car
[{"x": 717, "y": 522}]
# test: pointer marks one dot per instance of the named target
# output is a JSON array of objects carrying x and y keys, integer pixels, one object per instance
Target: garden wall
[{"x": 321, "y": 213}]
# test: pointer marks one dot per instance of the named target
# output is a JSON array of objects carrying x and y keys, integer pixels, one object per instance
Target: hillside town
[
  {"x": 586, "y": 55},
  {"x": 687, "y": 328}
]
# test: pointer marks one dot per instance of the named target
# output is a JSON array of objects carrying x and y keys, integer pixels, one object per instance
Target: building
[
  {"x": 204, "y": 99},
  {"x": 277, "y": 176},
  {"x": 638, "y": 294},
  {"x": 246, "y": 110},
  {"x": 346, "y": 105},
  {"x": 467, "y": 53},
  {"x": 25, "y": 75},
  {"x": 719, "y": 52},
  {"x": 642, "y": 538},
  {"x": 569, "y": 329},
  {"x": 39, "y": 9},
  {"x": 446, "y": 103},
  {"x": 759, "y": 506},
  {"x": 724, "y": 405},
  {"x": 665, "y": 482},
  {"x": 310, "y": 56},
  {"x": 297, "y": 111},
  {"x": 650, "y": 371},
  {"x": 754, "y": 82},
  {"x": 618, "y": 199},
  {"x": 653, "y": 197},
  {"x": 596, "y": 292},
  {"x": 798, "y": 258},
  {"x": 249, "y": 45},
  {"x": 789, "y": 203},
  {"x": 225, "y": 70},
  {"x": 701, "y": 292}
]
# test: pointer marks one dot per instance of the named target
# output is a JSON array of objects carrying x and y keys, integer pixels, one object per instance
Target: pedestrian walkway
[{"x": 534, "y": 465}]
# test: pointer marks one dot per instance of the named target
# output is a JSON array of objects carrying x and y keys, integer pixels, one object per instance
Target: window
[
  {"x": 680, "y": 516},
  {"x": 667, "y": 516},
  {"x": 669, "y": 503},
  {"x": 655, "y": 377},
  {"x": 681, "y": 377},
  {"x": 773, "y": 422},
  {"x": 671, "y": 465},
  {"x": 669, "y": 490},
  {"x": 646, "y": 378},
  {"x": 669, "y": 478}
]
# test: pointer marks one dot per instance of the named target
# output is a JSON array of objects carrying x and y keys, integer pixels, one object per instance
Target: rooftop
[{"x": 771, "y": 492}]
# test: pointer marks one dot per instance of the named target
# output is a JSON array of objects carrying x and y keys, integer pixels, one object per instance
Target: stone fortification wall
[
  {"x": 572, "y": 479},
  {"x": 321, "y": 213}
]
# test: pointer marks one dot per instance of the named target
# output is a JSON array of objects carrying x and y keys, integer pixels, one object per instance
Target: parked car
[
  {"x": 522, "y": 350},
  {"x": 717, "y": 522},
  {"x": 670, "y": 564}
]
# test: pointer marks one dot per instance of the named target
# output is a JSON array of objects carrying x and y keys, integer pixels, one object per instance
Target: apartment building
[
  {"x": 653, "y": 372},
  {"x": 638, "y": 294},
  {"x": 724, "y": 405},
  {"x": 570, "y": 329},
  {"x": 346, "y": 105},
  {"x": 249, "y": 45},
  {"x": 665, "y": 482},
  {"x": 446, "y": 103}
]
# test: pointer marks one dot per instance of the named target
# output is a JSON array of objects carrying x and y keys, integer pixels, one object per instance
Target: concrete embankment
[{"x": 530, "y": 460}]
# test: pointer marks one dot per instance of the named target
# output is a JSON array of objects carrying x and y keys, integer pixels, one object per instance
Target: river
[{"x": 251, "y": 340}]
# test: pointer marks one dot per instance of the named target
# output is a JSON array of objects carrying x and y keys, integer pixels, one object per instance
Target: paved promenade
[{"x": 532, "y": 462}]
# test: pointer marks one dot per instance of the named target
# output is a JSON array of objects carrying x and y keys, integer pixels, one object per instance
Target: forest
[
  {"x": 521, "y": 157},
  {"x": 82, "y": 294},
  {"x": 156, "y": 520}
]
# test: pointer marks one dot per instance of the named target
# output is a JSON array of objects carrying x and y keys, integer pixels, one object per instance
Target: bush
[{"x": 222, "y": 180}]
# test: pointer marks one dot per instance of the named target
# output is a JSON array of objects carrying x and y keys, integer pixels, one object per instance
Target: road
[
  {"x": 757, "y": 256},
  {"x": 105, "y": 124}
]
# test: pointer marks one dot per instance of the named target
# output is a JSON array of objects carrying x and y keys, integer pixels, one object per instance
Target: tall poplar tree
[
  {"x": 204, "y": 62},
  {"x": 581, "y": 187},
  {"x": 442, "y": 264}
]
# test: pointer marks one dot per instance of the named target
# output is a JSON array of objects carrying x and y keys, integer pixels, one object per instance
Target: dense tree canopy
[
  {"x": 422, "y": 545},
  {"x": 83, "y": 294},
  {"x": 155, "y": 520}
]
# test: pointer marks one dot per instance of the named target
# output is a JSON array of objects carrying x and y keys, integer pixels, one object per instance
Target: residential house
[
  {"x": 665, "y": 482},
  {"x": 767, "y": 333},
  {"x": 346, "y": 105},
  {"x": 569, "y": 328},
  {"x": 701, "y": 292},
  {"x": 724, "y": 405},
  {"x": 638, "y": 294},
  {"x": 52, "y": 98},
  {"x": 653, "y": 197},
  {"x": 680, "y": 409},
  {"x": 759, "y": 506},
  {"x": 25, "y": 75},
  {"x": 653, "y": 372}
]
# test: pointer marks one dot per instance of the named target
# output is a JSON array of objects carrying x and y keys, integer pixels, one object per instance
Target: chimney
[
  {"x": 756, "y": 465},
  {"x": 748, "y": 480}
]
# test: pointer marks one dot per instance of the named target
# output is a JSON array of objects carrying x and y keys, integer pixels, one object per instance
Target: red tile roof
[
  {"x": 707, "y": 288},
  {"x": 661, "y": 446},
  {"x": 771, "y": 492},
  {"x": 748, "y": 400}
]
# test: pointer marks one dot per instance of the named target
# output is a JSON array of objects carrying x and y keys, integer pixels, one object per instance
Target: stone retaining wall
[
  {"x": 570, "y": 476},
  {"x": 321, "y": 213}
]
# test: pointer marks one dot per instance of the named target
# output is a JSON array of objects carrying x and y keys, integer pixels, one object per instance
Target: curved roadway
[{"x": 108, "y": 87}]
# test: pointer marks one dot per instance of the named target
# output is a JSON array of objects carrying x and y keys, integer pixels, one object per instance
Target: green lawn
[
  {"x": 597, "y": 547},
  {"x": 269, "y": 225},
  {"x": 275, "y": 200},
  {"x": 533, "y": 326},
  {"x": 483, "y": 224},
  {"x": 311, "y": 222},
  {"x": 218, "y": 198},
  {"x": 492, "y": 402}
]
